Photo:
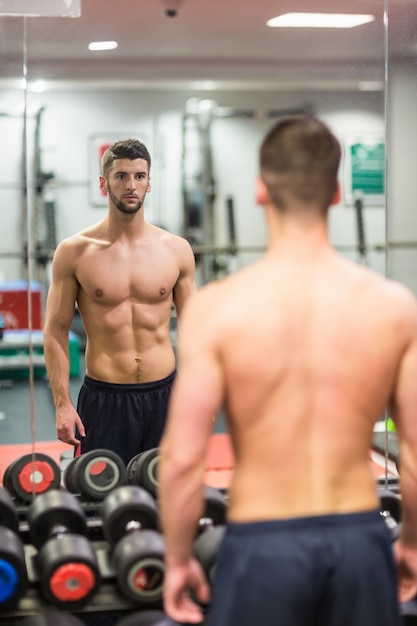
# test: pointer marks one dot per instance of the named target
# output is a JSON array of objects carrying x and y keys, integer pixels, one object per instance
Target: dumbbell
[
  {"x": 13, "y": 573},
  {"x": 142, "y": 470},
  {"x": 94, "y": 474},
  {"x": 30, "y": 475},
  {"x": 66, "y": 561},
  {"x": 51, "y": 617},
  {"x": 130, "y": 521},
  {"x": 205, "y": 550},
  {"x": 147, "y": 618},
  {"x": 390, "y": 509},
  {"x": 215, "y": 507},
  {"x": 211, "y": 530}
]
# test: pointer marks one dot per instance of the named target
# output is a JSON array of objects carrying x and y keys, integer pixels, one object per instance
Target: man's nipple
[
  {"x": 162, "y": 291},
  {"x": 99, "y": 293}
]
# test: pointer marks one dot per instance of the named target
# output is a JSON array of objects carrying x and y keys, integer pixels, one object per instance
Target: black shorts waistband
[
  {"x": 152, "y": 385},
  {"x": 314, "y": 521}
]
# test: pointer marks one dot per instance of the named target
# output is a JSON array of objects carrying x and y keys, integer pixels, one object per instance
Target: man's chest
[{"x": 110, "y": 279}]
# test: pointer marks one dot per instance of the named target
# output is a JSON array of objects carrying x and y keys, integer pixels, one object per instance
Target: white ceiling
[{"x": 225, "y": 41}]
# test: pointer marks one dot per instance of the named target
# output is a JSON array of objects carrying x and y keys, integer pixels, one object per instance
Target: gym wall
[{"x": 72, "y": 117}]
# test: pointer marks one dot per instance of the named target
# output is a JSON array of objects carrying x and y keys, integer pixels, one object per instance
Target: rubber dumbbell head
[
  {"x": 13, "y": 573},
  {"x": 51, "y": 617},
  {"x": 147, "y": 618},
  {"x": 95, "y": 474},
  {"x": 215, "y": 508},
  {"x": 390, "y": 509},
  {"x": 31, "y": 475},
  {"x": 142, "y": 471},
  {"x": 130, "y": 520},
  {"x": 66, "y": 561},
  {"x": 205, "y": 549},
  {"x": 390, "y": 503}
]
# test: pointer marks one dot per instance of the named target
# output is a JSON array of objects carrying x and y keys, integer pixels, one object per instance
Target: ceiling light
[
  {"x": 319, "y": 20},
  {"x": 371, "y": 85},
  {"x": 38, "y": 86},
  {"x": 203, "y": 85},
  {"x": 102, "y": 45}
]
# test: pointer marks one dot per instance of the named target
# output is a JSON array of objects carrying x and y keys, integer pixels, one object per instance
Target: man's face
[{"x": 127, "y": 183}]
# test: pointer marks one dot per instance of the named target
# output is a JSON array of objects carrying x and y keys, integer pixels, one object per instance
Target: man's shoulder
[
  {"x": 390, "y": 296},
  {"x": 180, "y": 245},
  {"x": 388, "y": 287},
  {"x": 81, "y": 239}
]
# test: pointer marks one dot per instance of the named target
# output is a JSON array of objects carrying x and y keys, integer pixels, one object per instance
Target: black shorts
[
  {"x": 330, "y": 570},
  {"x": 127, "y": 419}
]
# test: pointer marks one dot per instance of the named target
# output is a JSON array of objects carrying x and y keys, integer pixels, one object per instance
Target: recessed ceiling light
[
  {"x": 38, "y": 86},
  {"x": 371, "y": 85},
  {"x": 102, "y": 45},
  {"x": 319, "y": 20}
]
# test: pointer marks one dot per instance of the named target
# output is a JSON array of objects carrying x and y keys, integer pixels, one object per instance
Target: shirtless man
[
  {"x": 124, "y": 274},
  {"x": 304, "y": 349}
]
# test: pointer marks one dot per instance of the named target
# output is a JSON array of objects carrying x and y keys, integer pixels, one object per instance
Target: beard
[{"x": 121, "y": 206}]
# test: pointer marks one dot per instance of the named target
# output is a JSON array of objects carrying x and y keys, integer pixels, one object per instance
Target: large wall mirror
[{"x": 202, "y": 122}]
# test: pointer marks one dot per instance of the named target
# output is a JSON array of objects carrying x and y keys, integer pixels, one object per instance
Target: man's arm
[
  {"x": 404, "y": 413},
  {"x": 60, "y": 305},
  {"x": 185, "y": 285},
  {"x": 196, "y": 397}
]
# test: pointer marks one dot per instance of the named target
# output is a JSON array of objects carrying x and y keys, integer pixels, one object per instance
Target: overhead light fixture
[
  {"x": 371, "y": 85},
  {"x": 319, "y": 20},
  {"x": 102, "y": 45},
  {"x": 38, "y": 86}
]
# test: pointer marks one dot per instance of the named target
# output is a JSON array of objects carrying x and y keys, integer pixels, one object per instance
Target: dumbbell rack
[{"x": 107, "y": 598}]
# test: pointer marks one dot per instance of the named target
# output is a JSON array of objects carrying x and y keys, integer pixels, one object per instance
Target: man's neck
[{"x": 300, "y": 234}]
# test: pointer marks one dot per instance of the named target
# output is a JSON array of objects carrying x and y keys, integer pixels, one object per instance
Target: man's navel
[{"x": 137, "y": 373}]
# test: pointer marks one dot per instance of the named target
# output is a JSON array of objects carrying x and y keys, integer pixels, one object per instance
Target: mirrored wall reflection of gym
[{"x": 80, "y": 538}]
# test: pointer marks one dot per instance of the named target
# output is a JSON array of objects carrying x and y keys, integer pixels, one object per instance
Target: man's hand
[
  {"x": 406, "y": 559},
  {"x": 66, "y": 421},
  {"x": 179, "y": 581}
]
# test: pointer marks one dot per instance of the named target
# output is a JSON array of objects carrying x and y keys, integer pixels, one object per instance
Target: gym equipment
[
  {"x": 30, "y": 475},
  {"x": 142, "y": 471},
  {"x": 13, "y": 573},
  {"x": 66, "y": 561},
  {"x": 147, "y": 618},
  {"x": 52, "y": 618},
  {"x": 215, "y": 508},
  {"x": 211, "y": 529},
  {"x": 390, "y": 509},
  {"x": 94, "y": 474},
  {"x": 205, "y": 549},
  {"x": 130, "y": 521}
]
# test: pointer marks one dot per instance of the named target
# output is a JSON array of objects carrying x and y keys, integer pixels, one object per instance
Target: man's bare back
[
  {"x": 302, "y": 403},
  {"x": 304, "y": 350}
]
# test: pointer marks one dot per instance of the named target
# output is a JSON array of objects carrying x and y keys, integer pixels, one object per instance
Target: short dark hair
[
  {"x": 299, "y": 159},
  {"x": 124, "y": 149}
]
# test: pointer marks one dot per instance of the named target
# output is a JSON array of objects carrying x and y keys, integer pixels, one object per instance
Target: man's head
[
  {"x": 124, "y": 149},
  {"x": 125, "y": 175},
  {"x": 299, "y": 162}
]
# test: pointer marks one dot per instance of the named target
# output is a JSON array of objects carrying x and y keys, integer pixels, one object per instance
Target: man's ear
[
  {"x": 261, "y": 195},
  {"x": 337, "y": 196},
  {"x": 103, "y": 184}
]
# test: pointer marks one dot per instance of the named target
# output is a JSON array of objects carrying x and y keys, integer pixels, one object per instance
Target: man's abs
[{"x": 130, "y": 366}]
